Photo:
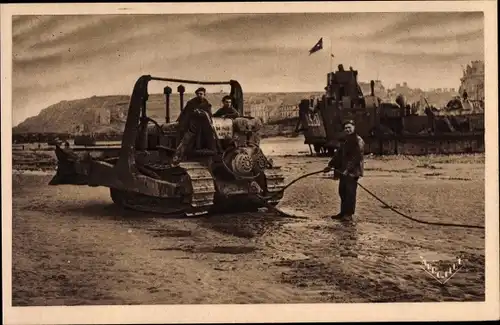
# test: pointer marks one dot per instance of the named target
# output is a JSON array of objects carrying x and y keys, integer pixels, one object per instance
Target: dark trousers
[
  {"x": 347, "y": 190},
  {"x": 198, "y": 130}
]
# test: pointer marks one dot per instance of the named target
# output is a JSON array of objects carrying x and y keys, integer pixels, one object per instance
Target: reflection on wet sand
[
  {"x": 348, "y": 238},
  {"x": 243, "y": 225}
]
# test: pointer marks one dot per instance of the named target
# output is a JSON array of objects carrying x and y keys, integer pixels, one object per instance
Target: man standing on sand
[{"x": 348, "y": 168}]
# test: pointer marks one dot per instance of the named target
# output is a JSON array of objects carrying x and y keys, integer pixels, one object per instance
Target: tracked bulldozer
[{"x": 141, "y": 174}]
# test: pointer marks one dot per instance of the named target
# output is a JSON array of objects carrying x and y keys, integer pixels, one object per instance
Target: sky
[{"x": 59, "y": 58}]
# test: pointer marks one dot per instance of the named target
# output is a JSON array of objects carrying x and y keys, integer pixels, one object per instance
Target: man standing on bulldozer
[
  {"x": 348, "y": 167},
  {"x": 194, "y": 124}
]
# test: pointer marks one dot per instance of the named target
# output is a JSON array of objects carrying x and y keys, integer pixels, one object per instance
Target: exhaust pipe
[
  {"x": 181, "y": 91},
  {"x": 167, "y": 91}
]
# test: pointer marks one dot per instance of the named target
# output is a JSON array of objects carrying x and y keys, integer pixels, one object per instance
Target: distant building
[
  {"x": 401, "y": 89},
  {"x": 105, "y": 117},
  {"x": 472, "y": 80},
  {"x": 118, "y": 116},
  {"x": 102, "y": 116},
  {"x": 378, "y": 88},
  {"x": 79, "y": 128},
  {"x": 288, "y": 111},
  {"x": 286, "y": 108},
  {"x": 257, "y": 110}
]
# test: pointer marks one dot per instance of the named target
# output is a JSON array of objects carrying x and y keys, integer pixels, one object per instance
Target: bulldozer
[
  {"x": 387, "y": 128},
  {"x": 142, "y": 176}
]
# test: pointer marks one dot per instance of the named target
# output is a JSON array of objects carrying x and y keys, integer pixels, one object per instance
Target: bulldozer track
[
  {"x": 145, "y": 203},
  {"x": 202, "y": 195},
  {"x": 203, "y": 188},
  {"x": 275, "y": 184}
]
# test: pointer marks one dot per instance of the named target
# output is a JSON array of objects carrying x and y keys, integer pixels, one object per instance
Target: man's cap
[
  {"x": 200, "y": 89},
  {"x": 351, "y": 122}
]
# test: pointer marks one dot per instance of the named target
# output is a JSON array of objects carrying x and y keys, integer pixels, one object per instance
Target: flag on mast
[{"x": 318, "y": 46}]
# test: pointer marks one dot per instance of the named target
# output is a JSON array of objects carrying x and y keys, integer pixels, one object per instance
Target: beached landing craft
[
  {"x": 387, "y": 128},
  {"x": 141, "y": 176}
]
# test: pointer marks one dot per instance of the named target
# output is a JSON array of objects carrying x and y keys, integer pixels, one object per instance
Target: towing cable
[{"x": 386, "y": 205}]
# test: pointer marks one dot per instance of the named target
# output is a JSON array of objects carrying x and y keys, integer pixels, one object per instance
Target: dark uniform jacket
[
  {"x": 229, "y": 112},
  {"x": 350, "y": 156},
  {"x": 188, "y": 115}
]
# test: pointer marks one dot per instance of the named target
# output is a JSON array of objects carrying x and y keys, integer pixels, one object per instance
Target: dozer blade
[{"x": 71, "y": 169}]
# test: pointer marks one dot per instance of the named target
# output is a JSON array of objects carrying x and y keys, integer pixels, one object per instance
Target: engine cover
[{"x": 223, "y": 127}]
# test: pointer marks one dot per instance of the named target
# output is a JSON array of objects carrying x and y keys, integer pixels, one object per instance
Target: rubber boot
[{"x": 338, "y": 216}]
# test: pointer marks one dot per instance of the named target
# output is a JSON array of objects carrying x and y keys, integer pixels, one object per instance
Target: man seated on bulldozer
[
  {"x": 227, "y": 110},
  {"x": 195, "y": 124}
]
